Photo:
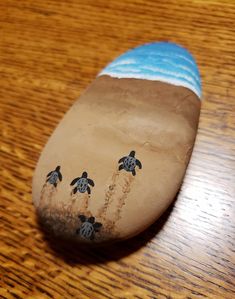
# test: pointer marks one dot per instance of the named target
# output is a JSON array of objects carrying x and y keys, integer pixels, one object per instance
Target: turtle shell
[
  {"x": 129, "y": 163},
  {"x": 53, "y": 178},
  {"x": 82, "y": 185},
  {"x": 87, "y": 230}
]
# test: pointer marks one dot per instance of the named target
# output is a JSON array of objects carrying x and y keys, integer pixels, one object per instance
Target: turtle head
[
  {"x": 84, "y": 174},
  {"x": 57, "y": 169},
  {"x": 132, "y": 154},
  {"x": 91, "y": 220}
]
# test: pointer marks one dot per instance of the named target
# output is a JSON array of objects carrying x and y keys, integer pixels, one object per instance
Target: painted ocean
[{"x": 161, "y": 61}]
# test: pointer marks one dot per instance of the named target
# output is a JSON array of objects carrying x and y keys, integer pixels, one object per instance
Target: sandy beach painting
[{"x": 128, "y": 142}]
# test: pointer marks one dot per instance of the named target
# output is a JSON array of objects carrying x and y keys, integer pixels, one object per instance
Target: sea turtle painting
[
  {"x": 82, "y": 184},
  {"x": 129, "y": 163},
  {"x": 54, "y": 176},
  {"x": 88, "y": 228}
]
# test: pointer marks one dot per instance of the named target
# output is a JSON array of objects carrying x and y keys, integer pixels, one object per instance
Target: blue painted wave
[{"x": 161, "y": 61}]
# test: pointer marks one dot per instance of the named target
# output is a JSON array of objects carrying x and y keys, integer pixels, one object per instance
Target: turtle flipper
[
  {"x": 82, "y": 218},
  {"x": 74, "y": 181},
  {"x": 91, "y": 182},
  {"x": 49, "y": 173},
  {"x": 121, "y": 160},
  {"x": 88, "y": 190},
  {"x": 75, "y": 190},
  {"x": 60, "y": 176},
  {"x": 133, "y": 172},
  {"x": 120, "y": 167},
  {"x": 138, "y": 163},
  {"x": 97, "y": 226}
]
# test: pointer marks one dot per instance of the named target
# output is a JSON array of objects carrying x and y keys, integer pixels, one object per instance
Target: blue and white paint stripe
[{"x": 161, "y": 61}]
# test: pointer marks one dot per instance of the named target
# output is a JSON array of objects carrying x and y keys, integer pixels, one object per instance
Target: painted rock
[{"x": 117, "y": 159}]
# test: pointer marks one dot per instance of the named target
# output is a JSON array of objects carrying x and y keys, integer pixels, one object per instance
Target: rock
[{"x": 117, "y": 159}]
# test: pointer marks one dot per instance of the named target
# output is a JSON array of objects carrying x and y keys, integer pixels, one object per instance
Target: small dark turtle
[
  {"x": 129, "y": 163},
  {"x": 54, "y": 176},
  {"x": 82, "y": 184},
  {"x": 88, "y": 228}
]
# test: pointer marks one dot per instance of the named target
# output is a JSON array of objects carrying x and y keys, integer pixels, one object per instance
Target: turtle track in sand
[
  {"x": 61, "y": 217},
  {"x": 109, "y": 195},
  {"x": 119, "y": 185}
]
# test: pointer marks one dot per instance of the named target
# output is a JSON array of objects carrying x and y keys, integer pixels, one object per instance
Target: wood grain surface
[{"x": 49, "y": 51}]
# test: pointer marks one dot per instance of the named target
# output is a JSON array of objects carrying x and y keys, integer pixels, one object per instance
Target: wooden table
[{"x": 49, "y": 51}]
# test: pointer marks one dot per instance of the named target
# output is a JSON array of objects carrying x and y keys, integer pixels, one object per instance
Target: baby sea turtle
[
  {"x": 88, "y": 228},
  {"x": 129, "y": 163},
  {"x": 82, "y": 184},
  {"x": 54, "y": 176}
]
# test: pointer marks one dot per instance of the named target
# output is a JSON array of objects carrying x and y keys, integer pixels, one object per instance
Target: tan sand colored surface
[{"x": 112, "y": 118}]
